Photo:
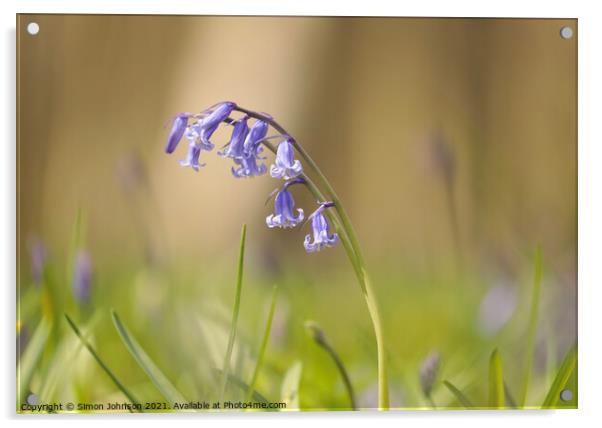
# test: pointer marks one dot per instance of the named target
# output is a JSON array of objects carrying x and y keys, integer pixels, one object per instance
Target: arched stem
[{"x": 350, "y": 242}]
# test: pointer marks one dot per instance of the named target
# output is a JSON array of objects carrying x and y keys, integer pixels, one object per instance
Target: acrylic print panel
[{"x": 295, "y": 213}]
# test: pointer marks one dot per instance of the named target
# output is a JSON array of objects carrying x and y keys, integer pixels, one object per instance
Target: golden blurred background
[{"x": 392, "y": 109}]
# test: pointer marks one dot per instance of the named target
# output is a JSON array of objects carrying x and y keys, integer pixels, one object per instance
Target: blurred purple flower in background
[
  {"x": 285, "y": 165},
  {"x": 82, "y": 277},
  {"x": 283, "y": 216},
  {"x": 320, "y": 229},
  {"x": 443, "y": 157},
  {"x": 37, "y": 260},
  {"x": 428, "y": 372},
  {"x": 497, "y": 307},
  {"x": 131, "y": 172}
]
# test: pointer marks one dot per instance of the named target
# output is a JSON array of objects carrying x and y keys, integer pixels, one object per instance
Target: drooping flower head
[
  {"x": 197, "y": 135},
  {"x": 321, "y": 231},
  {"x": 235, "y": 148},
  {"x": 82, "y": 277},
  {"x": 201, "y": 131},
  {"x": 192, "y": 158},
  {"x": 210, "y": 123},
  {"x": 180, "y": 122},
  {"x": 245, "y": 148},
  {"x": 285, "y": 165},
  {"x": 258, "y": 132},
  {"x": 284, "y": 216},
  {"x": 248, "y": 167},
  {"x": 247, "y": 162}
]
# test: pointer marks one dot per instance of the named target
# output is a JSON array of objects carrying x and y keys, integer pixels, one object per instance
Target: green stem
[
  {"x": 315, "y": 191},
  {"x": 352, "y": 248},
  {"x": 355, "y": 256}
]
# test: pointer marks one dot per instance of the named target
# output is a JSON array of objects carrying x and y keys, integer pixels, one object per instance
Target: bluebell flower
[
  {"x": 199, "y": 136},
  {"x": 217, "y": 113},
  {"x": 208, "y": 124},
  {"x": 235, "y": 148},
  {"x": 320, "y": 230},
  {"x": 192, "y": 159},
  {"x": 286, "y": 166},
  {"x": 201, "y": 131},
  {"x": 180, "y": 122},
  {"x": 283, "y": 216},
  {"x": 247, "y": 162},
  {"x": 258, "y": 132},
  {"x": 82, "y": 276},
  {"x": 247, "y": 167}
]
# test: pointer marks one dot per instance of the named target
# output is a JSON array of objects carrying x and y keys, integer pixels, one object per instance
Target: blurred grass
[
  {"x": 169, "y": 392},
  {"x": 289, "y": 392},
  {"x": 187, "y": 333},
  {"x": 458, "y": 394},
  {"x": 497, "y": 399},
  {"x": 562, "y": 378},
  {"x": 100, "y": 362},
  {"x": 29, "y": 360},
  {"x": 533, "y": 313}
]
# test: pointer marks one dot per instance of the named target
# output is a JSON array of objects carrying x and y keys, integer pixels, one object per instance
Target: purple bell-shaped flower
[
  {"x": 321, "y": 234},
  {"x": 235, "y": 148},
  {"x": 285, "y": 165},
  {"x": 284, "y": 216}
]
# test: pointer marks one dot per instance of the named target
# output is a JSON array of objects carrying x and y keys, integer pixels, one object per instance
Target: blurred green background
[{"x": 452, "y": 143}]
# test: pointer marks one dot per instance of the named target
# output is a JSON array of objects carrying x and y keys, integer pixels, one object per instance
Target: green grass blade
[
  {"x": 31, "y": 356},
  {"x": 510, "y": 401},
  {"x": 562, "y": 377},
  {"x": 235, "y": 310},
  {"x": 289, "y": 391},
  {"x": 163, "y": 384},
  {"x": 532, "y": 329},
  {"x": 458, "y": 394},
  {"x": 243, "y": 386},
  {"x": 496, "y": 381},
  {"x": 264, "y": 344},
  {"x": 101, "y": 363}
]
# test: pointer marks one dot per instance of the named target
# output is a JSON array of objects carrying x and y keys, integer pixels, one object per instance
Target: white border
[{"x": 590, "y": 209}]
